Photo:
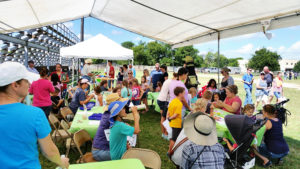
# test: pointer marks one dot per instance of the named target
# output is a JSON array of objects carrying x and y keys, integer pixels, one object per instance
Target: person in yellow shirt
[{"x": 174, "y": 115}]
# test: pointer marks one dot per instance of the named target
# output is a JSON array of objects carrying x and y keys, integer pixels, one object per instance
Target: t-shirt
[
  {"x": 41, "y": 92},
  {"x": 194, "y": 99},
  {"x": 21, "y": 127},
  {"x": 155, "y": 76},
  {"x": 230, "y": 102},
  {"x": 86, "y": 70},
  {"x": 120, "y": 76},
  {"x": 118, "y": 139},
  {"x": 148, "y": 80},
  {"x": 269, "y": 79},
  {"x": 162, "y": 78},
  {"x": 136, "y": 92},
  {"x": 133, "y": 72},
  {"x": 111, "y": 72},
  {"x": 173, "y": 85},
  {"x": 78, "y": 96},
  {"x": 100, "y": 141},
  {"x": 103, "y": 89},
  {"x": 175, "y": 107},
  {"x": 33, "y": 70},
  {"x": 164, "y": 94},
  {"x": 247, "y": 78},
  {"x": 124, "y": 93},
  {"x": 125, "y": 75}
]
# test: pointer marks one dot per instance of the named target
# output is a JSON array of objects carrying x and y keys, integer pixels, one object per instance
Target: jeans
[
  {"x": 47, "y": 110},
  {"x": 248, "y": 99},
  {"x": 263, "y": 150},
  {"x": 277, "y": 94},
  {"x": 101, "y": 155},
  {"x": 110, "y": 83}
]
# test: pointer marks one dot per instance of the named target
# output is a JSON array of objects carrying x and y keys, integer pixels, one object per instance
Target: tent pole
[
  {"x": 80, "y": 61},
  {"x": 218, "y": 57},
  {"x": 26, "y": 55},
  {"x": 73, "y": 72},
  {"x": 172, "y": 59}
]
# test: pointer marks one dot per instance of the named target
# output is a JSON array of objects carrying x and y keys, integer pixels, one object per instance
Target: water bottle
[{"x": 84, "y": 116}]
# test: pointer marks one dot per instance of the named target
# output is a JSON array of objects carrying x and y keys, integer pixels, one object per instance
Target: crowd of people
[{"x": 188, "y": 111}]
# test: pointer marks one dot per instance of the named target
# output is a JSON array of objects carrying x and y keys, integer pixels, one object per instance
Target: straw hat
[
  {"x": 112, "y": 98},
  {"x": 88, "y": 61},
  {"x": 226, "y": 69},
  {"x": 200, "y": 129}
]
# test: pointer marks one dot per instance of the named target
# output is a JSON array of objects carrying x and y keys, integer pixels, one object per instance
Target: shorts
[
  {"x": 262, "y": 98},
  {"x": 145, "y": 94},
  {"x": 136, "y": 102},
  {"x": 163, "y": 105},
  {"x": 175, "y": 133},
  {"x": 101, "y": 155}
]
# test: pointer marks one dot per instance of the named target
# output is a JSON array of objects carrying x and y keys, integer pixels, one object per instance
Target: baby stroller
[{"x": 243, "y": 129}]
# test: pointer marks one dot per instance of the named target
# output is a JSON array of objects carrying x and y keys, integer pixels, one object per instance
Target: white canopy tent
[
  {"x": 176, "y": 22},
  {"x": 98, "y": 47}
]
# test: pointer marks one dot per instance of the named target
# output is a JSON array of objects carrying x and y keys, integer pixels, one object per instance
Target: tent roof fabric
[
  {"x": 178, "y": 23},
  {"x": 98, "y": 47}
]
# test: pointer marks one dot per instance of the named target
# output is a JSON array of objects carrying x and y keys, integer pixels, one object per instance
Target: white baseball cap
[{"x": 12, "y": 72}]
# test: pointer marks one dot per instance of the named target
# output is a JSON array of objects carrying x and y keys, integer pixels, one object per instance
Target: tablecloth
[
  {"x": 153, "y": 96},
  {"x": 115, "y": 164}
]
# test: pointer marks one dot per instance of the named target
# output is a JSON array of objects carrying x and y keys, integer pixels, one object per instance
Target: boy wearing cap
[
  {"x": 174, "y": 115},
  {"x": 79, "y": 97},
  {"x": 100, "y": 148},
  {"x": 120, "y": 130}
]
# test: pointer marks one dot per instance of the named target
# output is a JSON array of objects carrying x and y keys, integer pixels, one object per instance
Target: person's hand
[
  {"x": 64, "y": 162},
  {"x": 218, "y": 103},
  {"x": 225, "y": 139}
]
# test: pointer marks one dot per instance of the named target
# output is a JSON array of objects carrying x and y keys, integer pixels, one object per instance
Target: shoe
[
  {"x": 164, "y": 136},
  {"x": 268, "y": 164},
  {"x": 280, "y": 161}
]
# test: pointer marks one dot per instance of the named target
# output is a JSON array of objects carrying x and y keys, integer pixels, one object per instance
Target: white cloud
[
  {"x": 245, "y": 49},
  {"x": 86, "y": 36},
  {"x": 116, "y": 32},
  {"x": 244, "y": 52},
  {"x": 137, "y": 39}
]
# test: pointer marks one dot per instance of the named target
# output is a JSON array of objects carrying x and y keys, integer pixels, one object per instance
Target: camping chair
[
  {"x": 148, "y": 157},
  {"x": 70, "y": 141},
  {"x": 65, "y": 112},
  {"x": 80, "y": 138},
  {"x": 57, "y": 133}
]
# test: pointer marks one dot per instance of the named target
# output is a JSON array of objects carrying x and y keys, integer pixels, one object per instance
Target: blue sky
[{"x": 284, "y": 41}]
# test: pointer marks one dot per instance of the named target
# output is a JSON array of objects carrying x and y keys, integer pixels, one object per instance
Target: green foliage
[
  {"x": 211, "y": 60},
  {"x": 182, "y": 52},
  {"x": 297, "y": 67},
  {"x": 128, "y": 44},
  {"x": 97, "y": 61},
  {"x": 233, "y": 62},
  {"x": 264, "y": 57}
]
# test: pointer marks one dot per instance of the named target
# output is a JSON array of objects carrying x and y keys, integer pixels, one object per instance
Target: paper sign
[
  {"x": 94, "y": 122},
  {"x": 166, "y": 125},
  {"x": 131, "y": 140}
]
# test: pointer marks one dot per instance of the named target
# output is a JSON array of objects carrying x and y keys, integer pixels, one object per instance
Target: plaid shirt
[{"x": 213, "y": 157}]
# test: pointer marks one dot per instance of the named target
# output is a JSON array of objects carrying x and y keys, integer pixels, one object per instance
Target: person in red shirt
[
  {"x": 64, "y": 78},
  {"x": 111, "y": 73}
]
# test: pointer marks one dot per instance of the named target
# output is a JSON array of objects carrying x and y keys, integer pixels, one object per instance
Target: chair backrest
[
  {"x": 65, "y": 111},
  {"x": 81, "y": 137},
  {"x": 148, "y": 157},
  {"x": 53, "y": 121}
]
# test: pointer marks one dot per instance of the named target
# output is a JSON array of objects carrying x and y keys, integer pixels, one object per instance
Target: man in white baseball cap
[
  {"x": 24, "y": 125},
  {"x": 203, "y": 149}
]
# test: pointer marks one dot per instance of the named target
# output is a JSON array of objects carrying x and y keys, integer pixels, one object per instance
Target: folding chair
[
  {"x": 149, "y": 158},
  {"x": 70, "y": 141},
  {"x": 57, "y": 133},
  {"x": 80, "y": 138},
  {"x": 65, "y": 112}
]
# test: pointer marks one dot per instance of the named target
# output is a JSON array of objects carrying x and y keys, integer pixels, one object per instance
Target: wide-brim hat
[
  {"x": 115, "y": 107},
  {"x": 88, "y": 61},
  {"x": 226, "y": 69},
  {"x": 200, "y": 129},
  {"x": 112, "y": 98}
]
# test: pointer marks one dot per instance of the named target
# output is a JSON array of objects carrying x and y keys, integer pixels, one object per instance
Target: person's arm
[
  {"x": 136, "y": 117},
  {"x": 50, "y": 151},
  {"x": 173, "y": 117},
  {"x": 141, "y": 95},
  {"x": 60, "y": 102},
  {"x": 233, "y": 108},
  {"x": 230, "y": 81},
  {"x": 100, "y": 99},
  {"x": 230, "y": 147},
  {"x": 268, "y": 125},
  {"x": 86, "y": 100},
  {"x": 185, "y": 104}
]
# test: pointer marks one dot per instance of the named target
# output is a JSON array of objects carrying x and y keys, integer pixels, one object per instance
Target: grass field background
[{"x": 150, "y": 136}]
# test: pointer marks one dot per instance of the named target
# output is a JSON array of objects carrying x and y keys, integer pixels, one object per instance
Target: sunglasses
[{"x": 129, "y": 73}]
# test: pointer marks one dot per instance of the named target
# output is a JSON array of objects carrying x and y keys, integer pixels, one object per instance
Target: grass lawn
[{"x": 150, "y": 136}]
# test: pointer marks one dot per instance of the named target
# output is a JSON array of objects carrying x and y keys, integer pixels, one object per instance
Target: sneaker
[{"x": 279, "y": 162}]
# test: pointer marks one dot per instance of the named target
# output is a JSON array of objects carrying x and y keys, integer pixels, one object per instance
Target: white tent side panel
[{"x": 98, "y": 47}]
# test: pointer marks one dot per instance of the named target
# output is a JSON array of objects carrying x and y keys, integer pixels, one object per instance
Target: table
[
  {"x": 90, "y": 126},
  {"x": 153, "y": 96},
  {"x": 222, "y": 130},
  {"x": 115, "y": 164}
]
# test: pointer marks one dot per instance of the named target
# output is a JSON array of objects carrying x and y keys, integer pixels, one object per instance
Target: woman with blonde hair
[{"x": 147, "y": 75}]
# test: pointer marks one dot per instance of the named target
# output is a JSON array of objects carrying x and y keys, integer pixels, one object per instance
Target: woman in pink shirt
[
  {"x": 41, "y": 90},
  {"x": 232, "y": 102}
]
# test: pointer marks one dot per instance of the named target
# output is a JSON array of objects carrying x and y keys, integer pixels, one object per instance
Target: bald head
[{"x": 266, "y": 69}]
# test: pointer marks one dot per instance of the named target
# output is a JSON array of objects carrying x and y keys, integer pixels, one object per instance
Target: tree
[
  {"x": 264, "y": 57},
  {"x": 211, "y": 60},
  {"x": 233, "y": 62},
  {"x": 182, "y": 52},
  {"x": 297, "y": 67},
  {"x": 156, "y": 50},
  {"x": 128, "y": 44},
  {"x": 97, "y": 61}
]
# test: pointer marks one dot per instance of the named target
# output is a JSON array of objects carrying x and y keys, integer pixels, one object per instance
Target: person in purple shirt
[
  {"x": 100, "y": 148},
  {"x": 182, "y": 76}
]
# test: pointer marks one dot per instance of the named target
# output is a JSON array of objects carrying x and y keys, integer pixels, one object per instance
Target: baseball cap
[
  {"x": 12, "y": 72},
  {"x": 84, "y": 81}
]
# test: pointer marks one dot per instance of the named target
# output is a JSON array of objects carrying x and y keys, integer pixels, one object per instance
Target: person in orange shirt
[{"x": 174, "y": 115}]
